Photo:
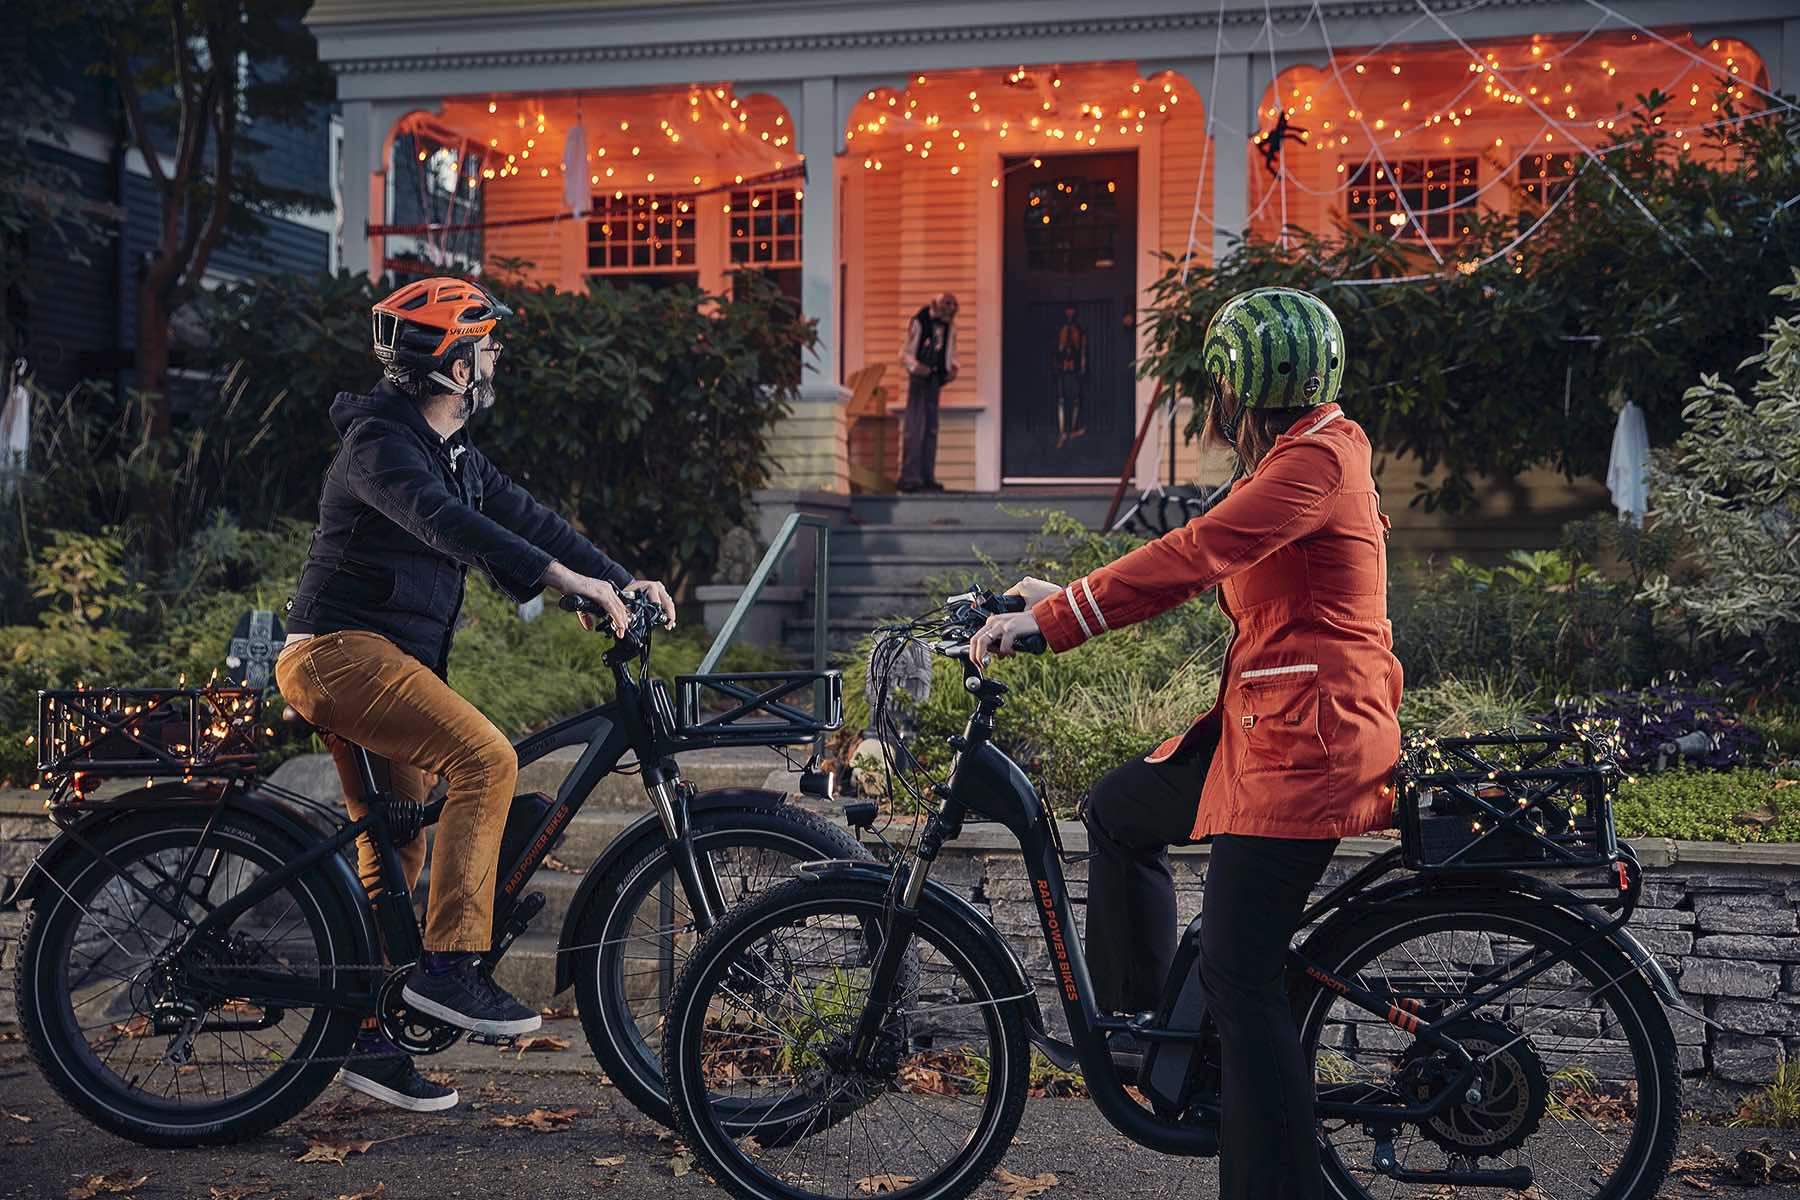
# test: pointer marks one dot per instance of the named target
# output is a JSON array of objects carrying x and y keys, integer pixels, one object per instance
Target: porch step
[{"x": 897, "y": 554}]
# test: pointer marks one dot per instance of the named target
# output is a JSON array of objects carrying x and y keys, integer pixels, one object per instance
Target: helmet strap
[{"x": 1228, "y": 425}]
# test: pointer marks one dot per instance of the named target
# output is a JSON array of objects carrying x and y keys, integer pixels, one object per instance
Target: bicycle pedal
[{"x": 493, "y": 1039}]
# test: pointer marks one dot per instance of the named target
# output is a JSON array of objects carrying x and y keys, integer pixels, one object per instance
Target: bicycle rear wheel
[
  {"x": 764, "y": 1016},
  {"x": 1578, "y": 1079},
  {"x": 152, "y": 1044}
]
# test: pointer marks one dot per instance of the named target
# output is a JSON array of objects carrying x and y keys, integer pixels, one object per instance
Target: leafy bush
[
  {"x": 1713, "y": 806},
  {"x": 642, "y": 414},
  {"x": 1457, "y": 368},
  {"x": 1558, "y": 624},
  {"x": 521, "y": 674},
  {"x": 1730, "y": 489},
  {"x": 1651, "y": 719}
]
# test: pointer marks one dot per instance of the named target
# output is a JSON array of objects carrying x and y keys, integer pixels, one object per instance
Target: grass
[
  {"x": 1776, "y": 1106},
  {"x": 1710, "y": 806}
]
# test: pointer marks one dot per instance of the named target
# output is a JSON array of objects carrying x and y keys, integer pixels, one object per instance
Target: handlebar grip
[
  {"x": 1010, "y": 604},
  {"x": 1031, "y": 643},
  {"x": 573, "y": 603}
]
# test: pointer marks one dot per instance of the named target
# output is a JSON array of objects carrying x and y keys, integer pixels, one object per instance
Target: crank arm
[{"x": 271, "y": 1017}]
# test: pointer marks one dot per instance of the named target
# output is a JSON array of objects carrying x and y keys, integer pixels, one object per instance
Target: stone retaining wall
[{"x": 1724, "y": 920}]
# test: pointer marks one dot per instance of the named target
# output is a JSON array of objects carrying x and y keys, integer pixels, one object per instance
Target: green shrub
[
  {"x": 1730, "y": 489},
  {"x": 1707, "y": 805},
  {"x": 642, "y": 414}
]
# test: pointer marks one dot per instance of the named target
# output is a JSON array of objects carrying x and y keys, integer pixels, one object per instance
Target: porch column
[
  {"x": 1232, "y": 122},
  {"x": 811, "y": 453},
  {"x": 364, "y": 184}
]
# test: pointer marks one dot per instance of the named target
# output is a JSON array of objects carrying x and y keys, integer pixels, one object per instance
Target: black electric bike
[
  {"x": 1472, "y": 1025},
  {"x": 199, "y": 952}
]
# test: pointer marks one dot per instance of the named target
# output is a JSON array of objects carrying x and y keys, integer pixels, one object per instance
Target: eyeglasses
[{"x": 493, "y": 348}]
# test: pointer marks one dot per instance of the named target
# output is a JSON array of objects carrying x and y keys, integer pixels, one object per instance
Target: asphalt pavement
[{"x": 583, "y": 1141}]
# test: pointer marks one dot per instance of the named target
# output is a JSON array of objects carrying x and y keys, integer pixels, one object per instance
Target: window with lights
[
  {"x": 1071, "y": 224},
  {"x": 1543, "y": 178},
  {"x": 1438, "y": 192},
  {"x": 641, "y": 232},
  {"x": 764, "y": 226}
]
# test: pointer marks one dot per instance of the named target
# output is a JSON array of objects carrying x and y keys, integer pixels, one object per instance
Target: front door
[{"x": 1067, "y": 404}]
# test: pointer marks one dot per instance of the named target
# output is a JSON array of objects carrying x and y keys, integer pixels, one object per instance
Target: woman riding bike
[
  {"x": 406, "y": 508},
  {"x": 1296, "y": 753}
]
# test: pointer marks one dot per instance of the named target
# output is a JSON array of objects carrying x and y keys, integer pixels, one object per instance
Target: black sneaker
[
  {"x": 386, "y": 1072},
  {"x": 465, "y": 997}
]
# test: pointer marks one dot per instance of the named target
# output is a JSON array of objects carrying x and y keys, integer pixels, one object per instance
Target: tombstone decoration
[{"x": 250, "y": 656}]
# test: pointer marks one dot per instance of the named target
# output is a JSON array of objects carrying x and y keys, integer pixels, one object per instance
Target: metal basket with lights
[
  {"x": 179, "y": 731},
  {"x": 1509, "y": 800}
]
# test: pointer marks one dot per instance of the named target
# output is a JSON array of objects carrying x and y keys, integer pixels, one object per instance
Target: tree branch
[
  {"x": 134, "y": 112},
  {"x": 223, "y": 49}
]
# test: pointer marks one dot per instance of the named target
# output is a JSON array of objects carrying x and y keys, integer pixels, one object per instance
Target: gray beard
[{"x": 478, "y": 397}]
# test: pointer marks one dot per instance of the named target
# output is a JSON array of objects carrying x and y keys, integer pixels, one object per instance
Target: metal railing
[{"x": 759, "y": 578}]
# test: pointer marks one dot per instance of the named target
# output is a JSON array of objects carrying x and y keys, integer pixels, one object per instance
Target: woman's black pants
[{"x": 1256, "y": 889}]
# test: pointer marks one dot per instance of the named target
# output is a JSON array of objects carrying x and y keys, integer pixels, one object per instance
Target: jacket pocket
[
  {"x": 1278, "y": 719},
  {"x": 362, "y": 584}
]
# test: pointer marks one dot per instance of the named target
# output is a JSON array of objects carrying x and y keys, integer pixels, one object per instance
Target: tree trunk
[
  {"x": 152, "y": 361},
  {"x": 151, "y": 495}
]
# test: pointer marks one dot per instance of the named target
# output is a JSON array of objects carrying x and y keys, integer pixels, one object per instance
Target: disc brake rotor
[{"x": 1509, "y": 1074}]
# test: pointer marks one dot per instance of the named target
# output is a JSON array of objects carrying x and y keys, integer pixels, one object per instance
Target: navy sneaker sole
[
  {"x": 450, "y": 1016},
  {"x": 387, "y": 1095}
]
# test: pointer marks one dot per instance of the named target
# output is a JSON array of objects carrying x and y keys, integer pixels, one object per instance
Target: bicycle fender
[
  {"x": 168, "y": 797},
  {"x": 952, "y": 906},
  {"x": 624, "y": 844},
  {"x": 1518, "y": 884}
]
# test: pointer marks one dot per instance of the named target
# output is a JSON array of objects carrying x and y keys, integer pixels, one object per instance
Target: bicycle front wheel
[
  {"x": 765, "y": 1015},
  {"x": 638, "y": 930},
  {"x": 1577, "y": 1078}
]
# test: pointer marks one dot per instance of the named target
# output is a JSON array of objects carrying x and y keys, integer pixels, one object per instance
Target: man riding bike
[
  {"x": 1297, "y": 752},
  {"x": 408, "y": 505}
]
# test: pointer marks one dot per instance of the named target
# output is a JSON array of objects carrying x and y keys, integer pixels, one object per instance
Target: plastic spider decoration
[{"x": 1270, "y": 145}]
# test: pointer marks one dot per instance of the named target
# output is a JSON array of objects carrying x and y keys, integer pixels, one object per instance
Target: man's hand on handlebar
[
  {"x": 652, "y": 590},
  {"x": 1000, "y": 635},
  {"x": 594, "y": 591}
]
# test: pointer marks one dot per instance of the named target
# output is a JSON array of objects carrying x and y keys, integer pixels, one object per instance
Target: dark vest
[{"x": 934, "y": 342}]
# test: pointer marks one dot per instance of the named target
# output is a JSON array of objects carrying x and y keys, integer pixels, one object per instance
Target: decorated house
[{"x": 1043, "y": 161}]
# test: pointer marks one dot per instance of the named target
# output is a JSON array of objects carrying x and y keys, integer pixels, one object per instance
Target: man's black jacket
[{"x": 404, "y": 514}]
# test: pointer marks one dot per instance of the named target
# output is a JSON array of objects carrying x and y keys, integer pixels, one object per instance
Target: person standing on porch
[{"x": 930, "y": 360}]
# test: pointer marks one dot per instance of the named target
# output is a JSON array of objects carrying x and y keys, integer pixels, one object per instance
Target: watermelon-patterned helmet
[{"x": 1276, "y": 348}]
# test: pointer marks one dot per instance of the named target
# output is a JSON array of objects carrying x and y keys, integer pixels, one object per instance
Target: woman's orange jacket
[{"x": 1306, "y": 722}]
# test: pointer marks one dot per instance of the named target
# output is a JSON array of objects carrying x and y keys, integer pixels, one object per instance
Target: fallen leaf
[
  {"x": 23, "y": 1139},
  {"x": 681, "y": 1164},
  {"x": 324, "y": 1150},
  {"x": 556, "y": 864},
  {"x": 215, "y": 1192},
  {"x": 556, "y": 1014},
  {"x": 117, "y": 1182},
  {"x": 22, "y": 1118},
  {"x": 9, "y": 1036},
  {"x": 1699, "y": 1185},
  {"x": 374, "y": 1193},
  {"x": 544, "y": 1120},
  {"x": 441, "y": 1078},
  {"x": 875, "y": 1185},
  {"x": 1018, "y": 1187},
  {"x": 615, "y": 1160},
  {"x": 538, "y": 1042}
]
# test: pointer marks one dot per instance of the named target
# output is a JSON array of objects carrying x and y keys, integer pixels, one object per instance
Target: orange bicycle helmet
[{"x": 420, "y": 328}]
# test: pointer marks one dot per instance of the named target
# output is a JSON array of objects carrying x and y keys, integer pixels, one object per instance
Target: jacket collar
[{"x": 1314, "y": 419}]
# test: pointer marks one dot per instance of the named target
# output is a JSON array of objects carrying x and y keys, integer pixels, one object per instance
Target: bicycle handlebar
[
  {"x": 645, "y": 614},
  {"x": 970, "y": 610}
]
